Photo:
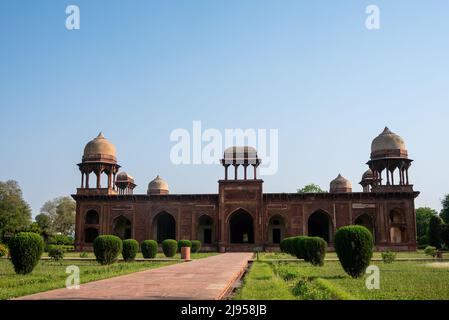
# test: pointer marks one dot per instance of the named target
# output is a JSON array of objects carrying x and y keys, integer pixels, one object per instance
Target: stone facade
[{"x": 243, "y": 218}]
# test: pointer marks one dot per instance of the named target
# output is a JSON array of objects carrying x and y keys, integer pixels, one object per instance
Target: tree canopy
[
  {"x": 61, "y": 215},
  {"x": 423, "y": 216},
  {"x": 311, "y": 188},
  {"x": 15, "y": 213},
  {"x": 445, "y": 211}
]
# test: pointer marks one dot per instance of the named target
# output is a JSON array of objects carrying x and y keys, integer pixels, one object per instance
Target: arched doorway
[
  {"x": 367, "y": 221},
  {"x": 92, "y": 217},
  {"x": 320, "y": 225},
  {"x": 164, "y": 227},
  {"x": 241, "y": 227},
  {"x": 276, "y": 227},
  {"x": 90, "y": 234},
  {"x": 205, "y": 229},
  {"x": 397, "y": 226},
  {"x": 122, "y": 228}
]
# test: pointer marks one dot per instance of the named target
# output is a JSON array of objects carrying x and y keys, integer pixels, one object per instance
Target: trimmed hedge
[
  {"x": 196, "y": 246},
  {"x": 149, "y": 249},
  {"x": 184, "y": 243},
  {"x": 286, "y": 245},
  {"x": 169, "y": 246},
  {"x": 313, "y": 249},
  {"x": 26, "y": 249},
  {"x": 130, "y": 249},
  {"x": 298, "y": 247},
  {"x": 107, "y": 248},
  {"x": 354, "y": 247}
]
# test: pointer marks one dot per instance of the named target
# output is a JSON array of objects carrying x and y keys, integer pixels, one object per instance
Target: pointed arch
[
  {"x": 241, "y": 227},
  {"x": 164, "y": 227},
  {"x": 320, "y": 225}
]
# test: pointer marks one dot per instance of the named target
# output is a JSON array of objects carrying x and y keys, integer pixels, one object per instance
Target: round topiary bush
[
  {"x": 169, "y": 247},
  {"x": 313, "y": 250},
  {"x": 3, "y": 250},
  {"x": 196, "y": 246},
  {"x": 354, "y": 247},
  {"x": 149, "y": 249},
  {"x": 25, "y": 249},
  {"x": 107, "y": 248},
  {"x": 130, "y": 249}
]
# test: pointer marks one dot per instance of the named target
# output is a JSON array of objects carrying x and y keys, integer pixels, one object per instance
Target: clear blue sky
[{"x": 136, "y": 70}]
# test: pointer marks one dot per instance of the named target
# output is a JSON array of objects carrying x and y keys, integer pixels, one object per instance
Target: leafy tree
[
  {"x": 61, "y": 212},
  {"x": 15, "y": 213},
  {"x": 423, "y": 216},
  {"x": 435, "y": 230},
  {"x": 311, "y": 188},
  {"x": 445, "y": 211},
  {"x": 43, "y": 221}
]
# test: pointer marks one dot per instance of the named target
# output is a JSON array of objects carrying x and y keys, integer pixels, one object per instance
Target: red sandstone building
[{"x": 241, "y": 216}]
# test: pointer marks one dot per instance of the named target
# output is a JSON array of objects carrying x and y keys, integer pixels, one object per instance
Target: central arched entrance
[
  {"x": 241, "y": 227},
  {"x": 320, "y": 225},
  {"x": 164, "y": 227}
]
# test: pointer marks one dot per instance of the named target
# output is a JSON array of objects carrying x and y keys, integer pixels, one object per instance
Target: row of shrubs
[
  {"x": 26, "y": 248},
  {"x": 108, "y": 247},
  {"x": 353, "y": 244}
]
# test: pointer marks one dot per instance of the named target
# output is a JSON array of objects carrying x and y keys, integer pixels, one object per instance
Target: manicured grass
[
  {"x": 262, "y": 284},
  {"x": 198, "y": 255},
  {"x": 333, "y": 255},
  {"x": 398, "y": 281},
  {"x": 51, "y": 275}
]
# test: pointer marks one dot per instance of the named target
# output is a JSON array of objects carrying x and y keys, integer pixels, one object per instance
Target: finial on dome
[{"x": 100, "y": 135}]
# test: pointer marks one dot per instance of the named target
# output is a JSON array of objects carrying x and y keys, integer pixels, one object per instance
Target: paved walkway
[{"x": 207, "y": 278}]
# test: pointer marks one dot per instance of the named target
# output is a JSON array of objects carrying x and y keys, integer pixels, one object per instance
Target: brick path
[{"x": 207, "y": 278}]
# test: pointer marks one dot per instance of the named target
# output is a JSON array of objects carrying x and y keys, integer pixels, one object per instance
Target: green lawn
[
  {"x": 51, "y": 275},
  {"x": 398, "y": 281},
  {"x": 261, "y": 283}
]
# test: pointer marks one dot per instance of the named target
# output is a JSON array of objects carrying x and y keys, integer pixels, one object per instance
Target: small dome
[
  {"x": 99, "y": 148},
  {"x": 388, "y": 144},
  {"x": 368, "y": 175},
  {"x": 340, "y": 184},
  {"x": 124, "y": 177},
  {"x": 158, "y": 186}
]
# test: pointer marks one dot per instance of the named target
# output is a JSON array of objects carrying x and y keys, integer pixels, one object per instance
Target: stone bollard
[{"x": 185, "y": 253}]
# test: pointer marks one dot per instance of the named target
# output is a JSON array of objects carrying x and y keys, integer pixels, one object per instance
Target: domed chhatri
[
  {"x": 388, "y": 144},
  {"x": 340, "y": 185},
  {"x": 367, "y": 181},
  {"x": 158, "y": 186},
  {"x": 100, "y": 149},
  {"x": 100, "y": 158},
  {"x": 123, "y": 176},
  {"x": 389, "y": 154},
  {"x": 124, "y": 183},
  {"x": 241, "y": 156}
]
